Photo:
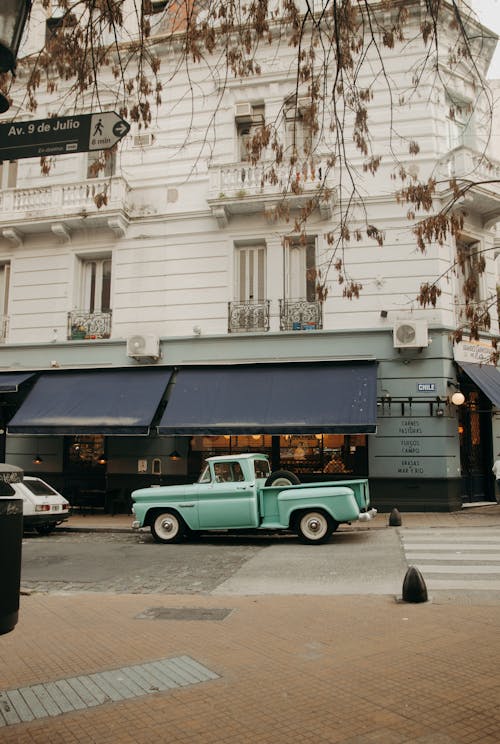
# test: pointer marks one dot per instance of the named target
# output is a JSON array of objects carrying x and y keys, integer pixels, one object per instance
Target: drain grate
[
  {"x": 86, "y": 691},
  {"x": 183, "y": 613}
]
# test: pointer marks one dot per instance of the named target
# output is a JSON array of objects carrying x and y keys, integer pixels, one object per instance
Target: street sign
[{"x": 61, "y": 136}]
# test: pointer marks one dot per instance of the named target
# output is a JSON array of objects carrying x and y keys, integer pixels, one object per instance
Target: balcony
[
  {"x": 62, "y": 208},
  {"x": 470, "y": 166},
  {"x": 242, "y": 188},
  {"x": 301, "y": 315},
  {"x": 86, "y": 325},
  {"x": 248, "y": 317}
]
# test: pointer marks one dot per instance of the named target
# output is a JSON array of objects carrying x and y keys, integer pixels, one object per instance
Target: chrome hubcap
[
  {"x": 167, "y": 525},
  {"x": 314, "y": 525}
]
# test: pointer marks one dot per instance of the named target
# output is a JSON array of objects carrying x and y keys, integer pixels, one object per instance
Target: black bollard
[
  {"x": 414, "y": 588},
  {"x": 395, "y": 518}
]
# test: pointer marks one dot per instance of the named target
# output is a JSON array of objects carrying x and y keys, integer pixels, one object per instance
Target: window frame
[
  {"x": 460, "y": 130},
  {"x": 250, "y": 272},
  {"x": 95, "y": 283},
  {"x": 304, "y": 274}
]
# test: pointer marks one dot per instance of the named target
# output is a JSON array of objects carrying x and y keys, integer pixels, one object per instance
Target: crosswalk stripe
[
  {"x": 442, "y": 546},
  {"x": 443, "y": 555},
  {"x": 443, "y": 569},
  {"x": 467, "y": 559},
  {"x": 464, "y": 584}
]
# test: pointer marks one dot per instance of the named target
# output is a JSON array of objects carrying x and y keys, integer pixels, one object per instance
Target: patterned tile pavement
[{"x": 322, "y": 669}]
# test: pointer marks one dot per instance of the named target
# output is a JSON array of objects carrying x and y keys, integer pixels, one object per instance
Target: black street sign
[{"x": 61, "y": 136}]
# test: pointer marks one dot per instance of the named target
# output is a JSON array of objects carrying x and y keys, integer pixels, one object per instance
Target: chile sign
[{"x": 61, "y": 136}]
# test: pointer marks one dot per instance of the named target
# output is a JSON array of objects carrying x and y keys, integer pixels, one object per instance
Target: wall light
[
  {"x": 174, "y": 455},
  {"x": 457, "y": 398},
  {"x": 37, "y": 460}
]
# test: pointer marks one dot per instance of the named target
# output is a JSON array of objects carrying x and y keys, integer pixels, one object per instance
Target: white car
[{"x": 43, "y": 507}]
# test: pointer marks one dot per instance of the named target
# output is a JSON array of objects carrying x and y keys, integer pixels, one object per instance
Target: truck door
[{"x": 229, "y": 501}]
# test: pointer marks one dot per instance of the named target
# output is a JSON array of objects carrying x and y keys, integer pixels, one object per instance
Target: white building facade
[{"x": 179, "y": 318}]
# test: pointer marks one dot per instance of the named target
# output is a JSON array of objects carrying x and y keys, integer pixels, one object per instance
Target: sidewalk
[
  {"x": 484, "y": 515},
  {"x": 261, "y": 670}
]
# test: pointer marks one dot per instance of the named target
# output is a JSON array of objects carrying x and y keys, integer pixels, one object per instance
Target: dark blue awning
[
  {"x": 118, "y": 401},
  {"x": 273, "y": 399},
  {"x": 487, "y": 378},
  {"x": 10, "y": 381}
]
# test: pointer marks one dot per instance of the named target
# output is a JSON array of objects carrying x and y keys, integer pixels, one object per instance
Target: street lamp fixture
[
  {"x": 13, "y": 17},
  {"x": 457, "y": 397}
]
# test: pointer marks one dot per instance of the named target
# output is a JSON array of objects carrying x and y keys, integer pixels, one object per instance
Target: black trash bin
[{"x": 11, "y": 537}]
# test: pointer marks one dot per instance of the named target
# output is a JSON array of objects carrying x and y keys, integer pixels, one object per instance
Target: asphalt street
[{"x": 355, "y": 561}]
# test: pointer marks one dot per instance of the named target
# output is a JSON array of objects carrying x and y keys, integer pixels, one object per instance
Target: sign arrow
[{"x": 61, "y": 135}]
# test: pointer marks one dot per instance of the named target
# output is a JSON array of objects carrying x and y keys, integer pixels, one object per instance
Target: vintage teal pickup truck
[{"x": 239, "y": 492}]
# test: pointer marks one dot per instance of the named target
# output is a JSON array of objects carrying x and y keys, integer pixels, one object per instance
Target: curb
[{"x": 95, "y": 529}]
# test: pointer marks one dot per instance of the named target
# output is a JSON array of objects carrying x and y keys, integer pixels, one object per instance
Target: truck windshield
[
  {"x": 262, "y": 469},
  {"x": 205, "y": 474}
]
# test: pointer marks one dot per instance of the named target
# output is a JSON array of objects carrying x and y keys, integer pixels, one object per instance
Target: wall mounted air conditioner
[
  {"x": 143, "y": 346},
  {"x": 410, "y": 334},
  {"x": 143, "y": 140},
  {"x": 243, "y": 110}
]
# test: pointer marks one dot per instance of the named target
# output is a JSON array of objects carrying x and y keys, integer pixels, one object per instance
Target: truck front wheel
[
  {"x": 314, "y": 527},
  {"x": 167, "y": 527},
  {"x": 282, "y": 478}
]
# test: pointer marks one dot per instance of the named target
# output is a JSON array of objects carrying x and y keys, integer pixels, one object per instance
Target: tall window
[
  {"x": 460, "y": 121},
  {"x": 471, "y": 291},
  {"x": 8, "y": 174},
  {"x": 4, "y": 298},
  {"x": 251, "y": 273},
  {"x": 300, "y": 269},
  {"x": 96, "y": 285},
  {"x": 249, "y": 119},
  {"x": 298, "y": 131}
]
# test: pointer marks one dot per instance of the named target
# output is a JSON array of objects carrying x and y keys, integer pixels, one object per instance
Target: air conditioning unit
[
  {"x": 410, "y": 334},
  {"x": 243, "y": 110},
  {"x": 143, "y": 347},
  {"x": 143, "y": 140}
]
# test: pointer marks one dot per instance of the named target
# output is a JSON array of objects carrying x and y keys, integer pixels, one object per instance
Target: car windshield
[
  {"x": 262, "y": 469},
  {"x": 39, "y": 488}
]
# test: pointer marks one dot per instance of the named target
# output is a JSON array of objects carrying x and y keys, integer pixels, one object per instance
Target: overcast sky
[{"x": 489, "y": 14}]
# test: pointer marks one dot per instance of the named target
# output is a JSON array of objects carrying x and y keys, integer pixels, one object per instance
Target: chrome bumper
[{"x": 367, "y": 515}]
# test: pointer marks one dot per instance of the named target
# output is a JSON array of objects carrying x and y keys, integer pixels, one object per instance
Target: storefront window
[
  {"x": 304, "y": 454},
  {"x": 86, "y": 451}
]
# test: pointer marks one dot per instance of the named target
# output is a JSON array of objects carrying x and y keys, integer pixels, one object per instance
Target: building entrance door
[{"x": 476, "y": 448}]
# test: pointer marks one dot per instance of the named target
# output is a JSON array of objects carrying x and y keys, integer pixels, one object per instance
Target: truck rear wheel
[
  {"x": 314, "y": 527},
  {"x": 167, "y": 527},
  {"x": 282, "y": 478}
]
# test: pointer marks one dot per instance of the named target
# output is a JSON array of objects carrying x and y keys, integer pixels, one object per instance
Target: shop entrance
[
  {"x": 476, "y": 446},
  {"x": 85, "y": 470}
]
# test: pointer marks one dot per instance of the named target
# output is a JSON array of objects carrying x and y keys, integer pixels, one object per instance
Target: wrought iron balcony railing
[
  {"x": 85, "y": 325},
  {"x": 245, "y": 317},
  {"x": 301, "y": 315}
]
